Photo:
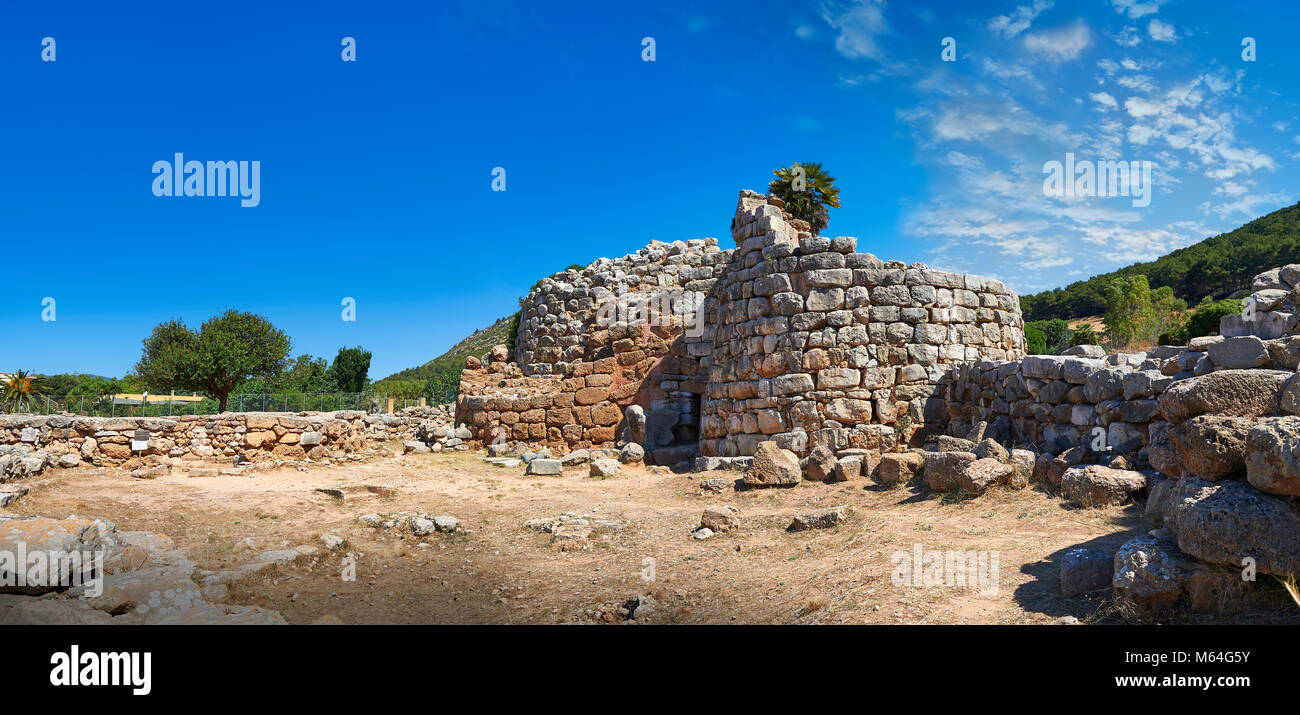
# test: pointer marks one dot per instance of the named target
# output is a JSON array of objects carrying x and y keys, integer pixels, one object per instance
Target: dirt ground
[{"x": 499, "y": 571}]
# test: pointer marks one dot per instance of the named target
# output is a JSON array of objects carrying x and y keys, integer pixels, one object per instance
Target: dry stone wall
[
  {"x": 788, "y": 337},
  {"x": 1210, "y": 432},
  {"x": 818, "y": 344},
  {"x": 254, "y": 437}
]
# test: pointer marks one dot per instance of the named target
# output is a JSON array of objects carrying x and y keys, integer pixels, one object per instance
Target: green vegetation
[
  {"x": 1048, "y": 337},
  {"x": 351, "y": 365},
  {"x": 224, "y": 352},
  {"x": 440, "y": 376},
  {"x": 1205, "y": 321},
  {"x": 1217, "y": 267},
  {"x": 808, "y": 192},
  {"x": 21, "y": 390}
]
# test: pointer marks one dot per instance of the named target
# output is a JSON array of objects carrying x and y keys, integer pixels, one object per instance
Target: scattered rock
[
  {"x": 773, "y": 466},
  {"x": 721, "y": 518},
  {"x": 821, "y": 518}
]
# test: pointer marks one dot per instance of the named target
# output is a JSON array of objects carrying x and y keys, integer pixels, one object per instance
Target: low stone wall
[
  {"x": 253, "y": 436},
  {"x": 500, "y": 405}
]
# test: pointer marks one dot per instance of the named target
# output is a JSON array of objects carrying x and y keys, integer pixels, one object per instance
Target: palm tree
[
  {"x": 808, "y": 191},
  {"x": 21, "y": 388}
]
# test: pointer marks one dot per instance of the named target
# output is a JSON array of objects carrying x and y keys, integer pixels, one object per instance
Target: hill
[
  {"x": 1218, "y": 267},
  {"x": 442, "y": 374}
]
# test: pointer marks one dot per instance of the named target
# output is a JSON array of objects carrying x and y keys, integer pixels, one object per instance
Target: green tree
[
  {"x": 808, "y": 192},
  {"x": 1205, "y": 319},
  {"x": 224, "y": 352},
  {"x": 308, "y": 375},
  {"x": 1056, "y": 334},
  {"x": 1035, "y": 341},
  {"x": 1165, "y": 307},
  {"x": 1128, "y": 310},
  {"x": 350, "y": 368}
]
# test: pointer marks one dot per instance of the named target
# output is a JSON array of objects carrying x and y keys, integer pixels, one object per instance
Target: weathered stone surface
[
  {"x": 943, "y": 470},
  {"x": 1085, "y": 570},
  {"x": 1237, "y": 393},
  {"x": 631, "y": 453},
  {"x": 1224, "y": 522},
  {"x": 898, "y": 467},
  {"x": 989, "y": 448},
  {"x": 821, "y": 518},
  {"x": 1272, "y": 455},
  {"x": 978, "y": 476},
  {"x": 604, "y": 468},
  {"x": 1150, "y": 574},
  {"x": 546, "y": 467},
  {"x": 820, "y": 464},
  {"x": 720, "y": 519},
  {"x": 1211, "y": 447},
  {"x": 1238, "y": 353},
  {"x": 1093, "y": 485},
  {"x": 1022, "y": 468},
  {"x": 773, "y": 466}
]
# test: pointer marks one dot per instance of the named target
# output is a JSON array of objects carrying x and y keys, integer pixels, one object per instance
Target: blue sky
[{"x": 376, "y": 174}]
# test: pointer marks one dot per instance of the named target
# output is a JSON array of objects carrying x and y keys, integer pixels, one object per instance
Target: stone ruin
[
  {"x": 808, "y": 360},
  {"x": 692, "y": 350}
]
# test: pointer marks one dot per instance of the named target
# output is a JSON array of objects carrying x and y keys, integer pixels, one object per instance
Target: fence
[{"x": 171, "y": 406}]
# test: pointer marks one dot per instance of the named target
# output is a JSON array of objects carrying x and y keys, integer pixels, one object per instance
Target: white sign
[{"x": 139, "y": 445}]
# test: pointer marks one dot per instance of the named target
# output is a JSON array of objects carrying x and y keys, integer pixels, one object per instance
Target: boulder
[
  {"x": 1272, "y": 455},
  {"x": 820, "y": 464},
  {"x": 847, "y": 468},
  {"x": 1022, "y": 468},
  {"x": 943, "y": 470},
  {"x": 821, "y": 518},
  {"x": 1085, "y": 351},
  {"x": 898, "y": 467},
  {"x": 1085, "y": 570},
  {"x": 1095, "y": 486},
  {"x": 989, "y": 448},
  {"x": 1150, "y": 574},
  {"x": 1161, "y": 453},
  {"x": 773, "y": 466},
  {"x": 978, "y": 476},
  {"x": 631, "y": 453},
  {"x": 1211, "y": 447},
  {"x": 1236, "y": 393},
  {"x": 604, "y": 468},
  {"x": 547, "y": 467},
  {"x": 1239, "y": 353},
  {"x": 720, "y": 518},
  {"x": 1224, "y": 522}
]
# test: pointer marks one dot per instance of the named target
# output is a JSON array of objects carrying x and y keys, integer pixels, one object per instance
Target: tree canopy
[{"x": 224, "y": 352}]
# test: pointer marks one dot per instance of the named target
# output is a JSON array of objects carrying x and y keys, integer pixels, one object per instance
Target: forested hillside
[{"x": 1216, "y": 267}]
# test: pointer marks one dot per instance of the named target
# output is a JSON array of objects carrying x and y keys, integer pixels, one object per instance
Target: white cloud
[
  {"x": 1104, "y": 99},
  {"x": 1136, "y": 9},
  {"x": 859, "y": 27},
  {"x": 1020, "y": 19},
  {"x": 1161, "y": 31},
  {"x": 1129, "y": 37},
  {"x": 1062, "y": 44}
]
